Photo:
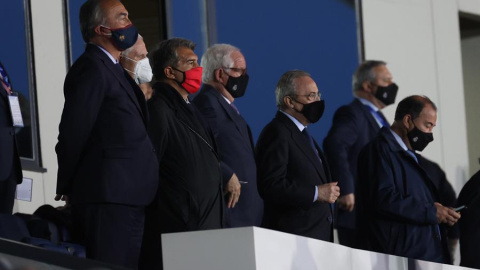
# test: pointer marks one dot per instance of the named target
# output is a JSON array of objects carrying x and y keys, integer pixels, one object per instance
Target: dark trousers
[
  {"x": 348, "y": 237},
  {"x": 7, "y": 193},
  {"x": 111, "y": 233}
]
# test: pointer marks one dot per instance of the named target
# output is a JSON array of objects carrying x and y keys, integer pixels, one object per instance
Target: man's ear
[
  {"x": 288, "y": 101},
  {"x": 218, "y": 75},
  {"x": 168, "y": 71},
  {"x": 367, "y": 87},
  {"x": 99, "y": 30},
  {"x": 407, "y": 121}
]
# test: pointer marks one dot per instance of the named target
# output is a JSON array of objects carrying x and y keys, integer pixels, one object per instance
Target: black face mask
[
  {"x": 313, "y": 111},
  {"x": 419, "y": 139},
  {"x": 237, "y": 86},
  {"x": 387, "y": 94}
]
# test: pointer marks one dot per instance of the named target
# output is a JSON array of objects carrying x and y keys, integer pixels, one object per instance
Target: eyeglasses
[
  {"x": 312, "y": 96},
  {"x": 242, "y": 71}
]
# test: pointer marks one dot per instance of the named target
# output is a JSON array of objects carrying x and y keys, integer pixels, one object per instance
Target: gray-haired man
[
  {"x": 293, "y": 176},
  {"x": 225, "y": 78}
]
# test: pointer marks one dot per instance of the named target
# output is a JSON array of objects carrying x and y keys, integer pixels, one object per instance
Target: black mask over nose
[
  {"x": 419, "y": 139},
  {"x": 313, "y": 111},
  {"x": 387, "y": 94}
]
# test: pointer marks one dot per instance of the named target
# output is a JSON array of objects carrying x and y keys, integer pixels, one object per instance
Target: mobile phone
[{"x": 460, "y": 208}]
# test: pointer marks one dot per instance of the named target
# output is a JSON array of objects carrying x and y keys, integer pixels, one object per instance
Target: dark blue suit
[
  {"x": 236, "y": 149},
  {"x": 288, "y": 172},
  {"x": 470, "y": 222},
  {"x": 10, "y": 167},
  {"x": 395, "y": 198},
  {"x": 190, "y": 191},
  {"x": 106, "y": 162},
  {"x": 445, "y": 191},
  {"x": 353, "y": 127}
]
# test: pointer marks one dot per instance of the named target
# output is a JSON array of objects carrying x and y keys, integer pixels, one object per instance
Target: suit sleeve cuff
[{"x": 227, "y": 173}]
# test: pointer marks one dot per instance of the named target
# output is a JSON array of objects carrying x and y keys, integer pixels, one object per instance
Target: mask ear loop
[
  {"x": 108, "y": 34},
  {"x": 124, "y": 56},
  {"x": 128, "y": 70},
  {"x": 183, "y": 73},
  {"x": 293, "y": 108}
]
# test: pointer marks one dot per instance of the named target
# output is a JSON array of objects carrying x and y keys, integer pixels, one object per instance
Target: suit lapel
[
  {"x": 232, "y": 114},
  {"x": 394, "y": 145},
  {"x": 121, "y": 77},
  {"x": 368, "y": 115},
  {"x": 302, "y": 143},
  {"x": 125, "y": 85},
  {"x": 186, "y": 114},
  {"x": 3, "y": 93}
]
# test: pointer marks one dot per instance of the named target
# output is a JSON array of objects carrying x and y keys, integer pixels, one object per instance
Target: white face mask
[{"x": 143, "y": 71}]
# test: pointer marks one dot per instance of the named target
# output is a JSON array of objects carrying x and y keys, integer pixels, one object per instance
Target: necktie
[
  {"x": 9, "y": 91},
  {"x": 412, "y": 153},
  {"x": 382, "y": 119},
  {"x": 379, "y": 116},
  {"x": 119, "y": 68},
  {"x": 234, "y": 107},
  {"x": 310, "y": 141},
  {"x": 4, "y": 80},
  {"x": 312, "y": 145}
]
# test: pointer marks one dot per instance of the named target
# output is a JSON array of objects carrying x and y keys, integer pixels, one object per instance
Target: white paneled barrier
[{"x": 252, "y": 248}]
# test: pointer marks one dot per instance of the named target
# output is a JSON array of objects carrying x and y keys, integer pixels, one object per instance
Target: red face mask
[{"x": 192, "y": 79}]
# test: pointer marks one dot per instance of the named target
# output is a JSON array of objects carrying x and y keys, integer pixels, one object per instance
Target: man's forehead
[
  {"x": 305, "y": 84},
  {"x": 237, "y": 57},
  {"x": 428, "y": 111},
  {"x": 185, "y": 53},
  {"x": 114, "y": 7},
  {"x": 383, "y": 71}
]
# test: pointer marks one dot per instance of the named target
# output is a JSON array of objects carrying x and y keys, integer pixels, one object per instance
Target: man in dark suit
[
  {"x": 446, "y": 196},
  {"x": 354, "y": 125},
  {"x": 470, "y": 222},
  {"x": 398, "y": 211},
  {"x": 293, "y": 176},
  {"x": 106, "y": 162},
  {"x": 10, "y": 167},
  {"x": 225, "y": 78},
  {"x": 190, "y": 193}
]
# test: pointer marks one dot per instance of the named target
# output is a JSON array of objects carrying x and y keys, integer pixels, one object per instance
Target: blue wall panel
[
  {"x": 275, "y": 36},
  {"x": 13, "y": 53},
  {"x": 316, "y": 36},
  {"x": 187, "y": 21},
  {"x": 76, "y": 40}
]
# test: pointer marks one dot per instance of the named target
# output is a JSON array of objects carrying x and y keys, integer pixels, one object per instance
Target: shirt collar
[
  {"x": 295, "y": 121},
  {"x": 108, "y": 54},
  {"x": 399, "y": 140},
  {"x": 226, "y": 99},
  {"x": 367, "y": 103}
]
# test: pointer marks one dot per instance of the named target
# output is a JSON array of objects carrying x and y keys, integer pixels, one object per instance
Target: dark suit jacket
[
  {"x": 470, "y": 222},
  {"x": 103, "y": 150},
  {"x": 288, "y": 172},
  {"x": 395, "y": 197},
  {"x": 190, "y": 194},
  {"x": 236, "y": 149},
  {"x": 445, "y": 191},
  {"x": 190, "y": 191},
  {"x": 9, "y": 159},
  {"x": 353, "y": 127}
]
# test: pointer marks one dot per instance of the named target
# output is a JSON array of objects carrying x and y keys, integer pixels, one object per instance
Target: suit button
[
  {"x": 153, "y": 150},
  {"x": 330, "y": 219}
]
